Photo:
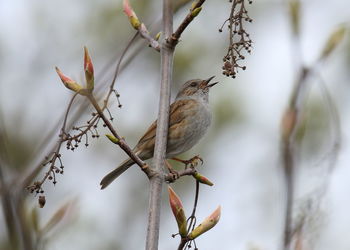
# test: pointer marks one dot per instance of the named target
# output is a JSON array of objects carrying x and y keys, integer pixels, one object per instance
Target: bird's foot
[{"x": 193, "y": 162}]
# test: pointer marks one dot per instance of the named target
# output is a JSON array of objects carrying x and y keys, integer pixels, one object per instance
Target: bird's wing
[{"x": 179, "y": 110}]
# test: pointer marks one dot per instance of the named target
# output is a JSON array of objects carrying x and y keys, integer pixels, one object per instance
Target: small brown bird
[{"x": 189, "y": 120}]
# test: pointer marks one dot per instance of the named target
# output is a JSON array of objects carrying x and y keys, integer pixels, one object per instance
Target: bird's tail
[{"x": 109, "y": 178}]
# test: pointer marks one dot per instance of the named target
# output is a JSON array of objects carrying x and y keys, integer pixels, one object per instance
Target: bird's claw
[{"x": 194, "y": 161}]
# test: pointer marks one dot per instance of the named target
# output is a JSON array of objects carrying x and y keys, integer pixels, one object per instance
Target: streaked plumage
[{"x": 189, "y": 120}]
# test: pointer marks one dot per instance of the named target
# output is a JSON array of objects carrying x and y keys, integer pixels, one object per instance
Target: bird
[{"x": 189, "y": 120}]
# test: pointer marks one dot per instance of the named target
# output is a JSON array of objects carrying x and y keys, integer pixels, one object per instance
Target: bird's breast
[{"x": 190, "y": 130}]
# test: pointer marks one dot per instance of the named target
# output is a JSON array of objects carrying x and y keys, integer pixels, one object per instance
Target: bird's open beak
[{"x": 212, "y": 84}]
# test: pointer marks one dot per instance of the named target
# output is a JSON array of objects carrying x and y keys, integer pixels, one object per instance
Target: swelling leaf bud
[
  {"x": 196, "y": 11},
  {"x": 178, "y": 211},
  {"x": 333, "y": 41},
  {"x": 202, "y": 179},
  {"x": 69, "y": 83},
  {"x": 207, "y": 224},
  {"x": 89, "y": 70},
  {"x": 135, "y": 22},
  {"x": 112, "y": 138}
]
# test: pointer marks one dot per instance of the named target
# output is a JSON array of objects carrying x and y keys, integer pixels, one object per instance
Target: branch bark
[
  {"x": 156, "y": 182},
  {"x": 121, "y": 142},
  {"x": 174, "y": 38},
  {"x": 289, "y": 127}
]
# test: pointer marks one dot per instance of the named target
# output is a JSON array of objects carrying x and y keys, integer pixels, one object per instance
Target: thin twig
[
  {"x": 174, "y": 38},
  {"x": 121, "y": 141},
  {"x": 145, "y": 34},
  {"x": 18, "y": 235},
  {"x": 188, "y": 171},
  {"x": 193, "y": 214},
  {"x": 297, "y": 100},
  {"x": 38, "y": 185},
  {"x": 192, "y": 219},
  {"x": 116, "y": 72},
  {"x": 293, "y": 115},
  {"x": 182, "y": 244},
  {"x": 28, "y": 178},
  {"x": 333, "y": 111}
]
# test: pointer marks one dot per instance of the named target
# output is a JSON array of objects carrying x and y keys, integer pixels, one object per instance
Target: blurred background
[{"x": 241, "y": 152}]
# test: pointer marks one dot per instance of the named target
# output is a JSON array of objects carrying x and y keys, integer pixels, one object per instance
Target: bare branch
[
  {"x": 121, "y": 142},
  {"x": 174, "y": 38},
  {"x": 187, "y": 171},
  {"x": 156, "y": 182},
  {"x": 51, "y": 173},
  {"x": 139, "y": 26},
  {"x": 65, "y": 136},
  {"x": 146, "y": 35},
  {"x": 289, "y": 127},
  {"x": 192, "y": 219},
  {"x": 116, "y": 72}
]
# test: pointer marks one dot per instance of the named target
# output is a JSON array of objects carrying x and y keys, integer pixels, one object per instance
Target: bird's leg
[
  {"x": 191, "y": 162},
  {"x": 174, "y": 173}
]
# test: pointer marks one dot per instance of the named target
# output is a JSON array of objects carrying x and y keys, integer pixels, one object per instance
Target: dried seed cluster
[
  {"x": 54, "y": 160},
  {"x": 239, "y": 40},
  {"x": 73, "y": 141},
  {"x": 78, "y": 134},
  {"x": 50, "y": 175}
]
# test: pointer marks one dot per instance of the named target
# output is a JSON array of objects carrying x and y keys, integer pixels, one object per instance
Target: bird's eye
[{"x": 193, "y": 84}]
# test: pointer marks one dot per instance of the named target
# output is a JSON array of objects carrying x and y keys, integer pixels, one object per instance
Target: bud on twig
[
  {"x": 207, "y": 224},
  {"x": 202, "y": 179},
  {"x": 157, "y": 36},
  {"x": 178, "y": 211},
  {"x": 112, "y": 138},
  {"x": 196, "y": 11},
  {"x": 333, "y": 41},
  {"x": 294, "y": 8},
  {"x": 194, "y": 4},
  {"x": 135, "y": 22},
  {"x": 89, "y": 70},
  {"x": 69, "y": 83}
]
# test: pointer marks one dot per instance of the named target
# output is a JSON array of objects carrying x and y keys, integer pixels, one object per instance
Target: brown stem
[
  {"x": 121, "y": 142},
  {"x": 145, "y": 34},
  {"x": 192, "y": 219},
  {"x": 295, "y": 104},
  {"x": 188, "y": 171},
  {"x": 29, "y": 178},
  {"x": 19, "y": 236},
  {"x": 174, "y": 38},
  {"x": 117, "y": 69},
  {"x": 193, "y": 214},
  {"x": 182, "y": 243}
]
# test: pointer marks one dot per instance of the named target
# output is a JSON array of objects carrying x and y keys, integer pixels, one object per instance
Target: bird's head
[{"x": 196, "y": 88}]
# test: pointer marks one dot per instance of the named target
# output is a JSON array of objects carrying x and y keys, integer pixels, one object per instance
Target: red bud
[{"x": 178, "y": 211}]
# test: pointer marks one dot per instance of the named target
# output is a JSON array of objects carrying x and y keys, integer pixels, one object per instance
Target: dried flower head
[{"x": 239, "y": 39}]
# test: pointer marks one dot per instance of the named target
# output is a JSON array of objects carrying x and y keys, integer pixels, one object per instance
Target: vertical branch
[
  {"x": 290, "y": 122},
  {"x": 19, "y": 236},
  {"x": 156, "y": 182},
  {"x": 289, "y": 126}
]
